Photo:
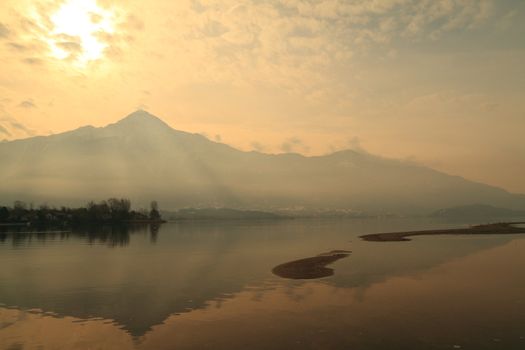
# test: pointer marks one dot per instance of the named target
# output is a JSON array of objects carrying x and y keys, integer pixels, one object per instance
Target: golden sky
[{"x": 441, "y": 82}]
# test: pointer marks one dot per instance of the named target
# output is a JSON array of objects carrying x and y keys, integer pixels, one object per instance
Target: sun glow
[{"x": 78, "y": 29}]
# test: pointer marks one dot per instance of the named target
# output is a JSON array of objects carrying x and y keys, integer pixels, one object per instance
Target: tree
[
  {"x": 19, "y": 205},
  {"x": 119, "y": 208},
  {"x": 98, "y": 212},
  {"x": 42, "y": 212},
  {"x": 19, "y": 210},
  {"x": 154, "y": 212},
  {"x": 4, "y": 213}
]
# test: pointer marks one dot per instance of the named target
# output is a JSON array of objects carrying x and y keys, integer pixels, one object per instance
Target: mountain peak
[{"x": 142, "y": 118}]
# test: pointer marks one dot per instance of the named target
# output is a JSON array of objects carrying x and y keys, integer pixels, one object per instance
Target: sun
[{"x": 77, "y": 29}]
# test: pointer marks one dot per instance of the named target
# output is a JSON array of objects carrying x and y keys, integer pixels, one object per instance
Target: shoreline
[{"x": 485, "y": 229}]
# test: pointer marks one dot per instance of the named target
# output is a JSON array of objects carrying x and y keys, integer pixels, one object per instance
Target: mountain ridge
[{"x": 143, "y": 158}]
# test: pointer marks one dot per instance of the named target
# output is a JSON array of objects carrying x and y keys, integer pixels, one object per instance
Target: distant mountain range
[
  {"x": 218, "y": 214},
  {"x": 142, "y": 158},
  {"x": 479, "y": 212}
]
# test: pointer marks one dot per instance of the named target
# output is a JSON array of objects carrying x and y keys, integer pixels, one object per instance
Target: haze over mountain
[
  {"x": 479, "y": 212},
  {"x": 143, "y": 158}
]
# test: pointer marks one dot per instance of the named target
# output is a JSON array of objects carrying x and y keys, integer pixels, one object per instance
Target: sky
[{"x": 438, "y": 82}]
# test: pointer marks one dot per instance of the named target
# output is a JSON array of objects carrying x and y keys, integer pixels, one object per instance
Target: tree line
[{"x": 111, "y": 211}]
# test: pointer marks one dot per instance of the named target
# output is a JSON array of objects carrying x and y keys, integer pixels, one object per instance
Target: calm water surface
[{"x": 209, "y": 285}]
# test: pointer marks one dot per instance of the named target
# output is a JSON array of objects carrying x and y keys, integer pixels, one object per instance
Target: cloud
[
  {"x": 257, "y": 146},
  {"x": 298, "y": 45},
  {"x": 95, "y": 18},
  {"x": 29, "y": 103},
  {"x": 294, "y": 144},
  {"x": 32, "y": 61},
  {"x": 72, "y": 47},
  {"x": 355, "y": 144},
  {"x": 121, "y": 39},
  {"x": 4, "y": 131},
  {"x": 17, "y": 47},
  {"x": 26, "y": 36},
  {"x": 38, "y": 33},
  {"x": 133, "y": 22},
  {"x": 12, "y": 128},
  {"x": 213, "y": 28},
  {"x": 21, "y": 127},
  {"x": 33, "y": 49},
  {"x": 4, "y": 31}
]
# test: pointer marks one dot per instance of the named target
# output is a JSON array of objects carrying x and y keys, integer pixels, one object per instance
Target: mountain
[
  {"x": 479, "y": 212},
  {"x": 142, "y": 158},
  {"x": 218, "y": 214}
]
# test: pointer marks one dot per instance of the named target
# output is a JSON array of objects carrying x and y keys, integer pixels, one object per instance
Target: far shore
[
  {"x": 486, "y": 229},
  {"x": 144, "y": 222}
]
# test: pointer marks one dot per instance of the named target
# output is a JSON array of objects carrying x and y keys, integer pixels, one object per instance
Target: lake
[{"x": 209, "y": 285}]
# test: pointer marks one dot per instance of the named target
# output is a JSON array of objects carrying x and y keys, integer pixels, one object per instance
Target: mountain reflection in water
[{"x": 197, "y": 284}]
